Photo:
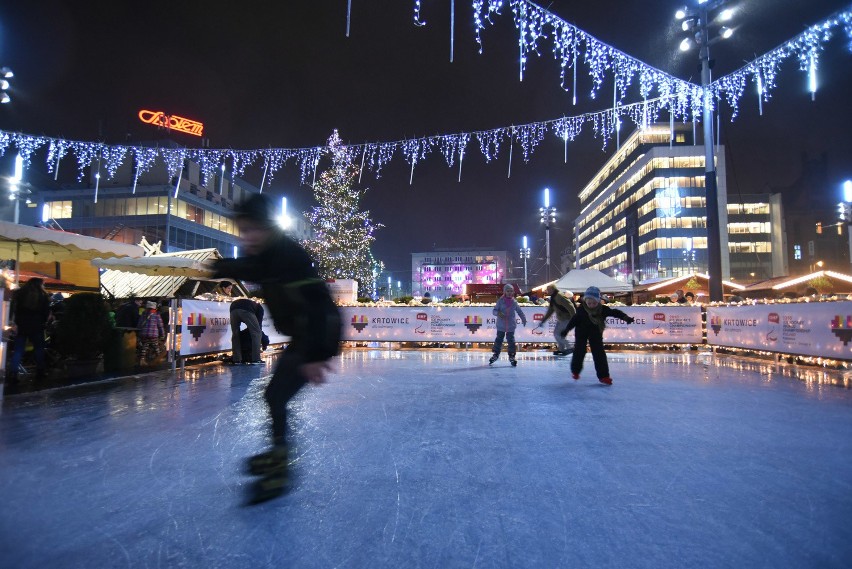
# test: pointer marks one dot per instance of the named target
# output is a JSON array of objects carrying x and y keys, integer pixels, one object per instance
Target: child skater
[
  {"x": 505, "y": 310},
  {"x": 590, "y": 322}
]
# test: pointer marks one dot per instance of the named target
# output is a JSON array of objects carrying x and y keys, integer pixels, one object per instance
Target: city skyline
[{"x": 290, "y": 76}]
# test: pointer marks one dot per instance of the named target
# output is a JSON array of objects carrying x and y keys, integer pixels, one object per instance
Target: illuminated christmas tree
[{"x": 342, "y": 234}]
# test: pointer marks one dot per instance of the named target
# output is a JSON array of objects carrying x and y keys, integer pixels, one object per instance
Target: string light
[{"x": 680, "y": 99}]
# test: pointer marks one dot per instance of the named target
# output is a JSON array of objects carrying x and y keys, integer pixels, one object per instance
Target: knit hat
[
  {"x": 593, "y": 292},
  {"x": 150, "y": 304},
  {"x": 256, "y": 208},
  {"x": 508, "y": 288}
]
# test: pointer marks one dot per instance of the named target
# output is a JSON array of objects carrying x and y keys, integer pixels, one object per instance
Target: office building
[
  {"x": 756, "y": 237},
  {"x": 443, "y": 273},
  {"x": 643, "y": 215}
]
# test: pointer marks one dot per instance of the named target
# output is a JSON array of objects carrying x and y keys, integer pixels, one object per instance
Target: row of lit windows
[
  {"x": 606, "y": 248},
  {"x": 661, "y": 162},
  {"x": 750, "y": 247},
  {"x": 748, "y": 209},
  {"x": 611, "y": 262},
  {"x": 753, "y": 227},
  {"x": 650, "y": 136},
  {"x": 468, "y": 259},
  {"x": 144, "y": 205},
  {"x": 672, "y": 223},
  {"x": 637, "y": 194},
  {"x": 605, "y": 234},
  {"x": 670, "y": 206},
  {"x": 458, "y": 268},
  {"x": 681, "y": 243}
]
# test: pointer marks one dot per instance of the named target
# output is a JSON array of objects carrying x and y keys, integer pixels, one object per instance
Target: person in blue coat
[
  {"x": 589, "y": 323},
  {"x": 505, "y": 310}
]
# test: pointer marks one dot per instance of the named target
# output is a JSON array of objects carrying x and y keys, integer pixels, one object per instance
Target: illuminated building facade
[
  {"x": 444, "y": 273},
  {"x": 757, "y": 242},
  {"x": 643, "y": 215},
  {"x": 197, "y": 217}
]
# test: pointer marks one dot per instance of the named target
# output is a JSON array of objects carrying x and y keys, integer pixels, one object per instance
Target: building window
[
  {"x": 60, "y": 210},
  {"x": 797, "y": 252}
]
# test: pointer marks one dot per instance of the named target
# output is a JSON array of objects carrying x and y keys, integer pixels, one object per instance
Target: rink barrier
[{"x": 816, "y": 329}]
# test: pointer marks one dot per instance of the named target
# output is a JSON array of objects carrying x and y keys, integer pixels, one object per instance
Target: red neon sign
[{"x": 172, "y": 122}]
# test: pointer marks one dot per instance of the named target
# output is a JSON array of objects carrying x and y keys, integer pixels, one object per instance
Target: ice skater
[
  {"x": 589, "y": 324},
  {"x": 302, "y": 308},
  {"x": 563, "y": 307},
  {"x": 505, "y": 310}
]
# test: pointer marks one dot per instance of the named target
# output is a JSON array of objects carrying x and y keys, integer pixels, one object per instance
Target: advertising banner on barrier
[
  {"x": 656, "y": 325},
  {"x": 822, "y": 329},
  {"x": 206, "y": 327},
  {"x": 477, "y": 324}
]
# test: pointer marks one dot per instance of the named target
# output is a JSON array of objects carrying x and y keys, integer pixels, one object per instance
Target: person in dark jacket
[
  {"x": 589, "y": 323},
  {"x": 563, "y": 307},
  {"x": 248, "y": 312},
  {"x": 30, "y": 311},
  {"x": 301, "y": 307}
]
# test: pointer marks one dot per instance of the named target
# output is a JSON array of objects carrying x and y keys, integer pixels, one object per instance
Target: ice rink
[{"x": 432, "y": 459}]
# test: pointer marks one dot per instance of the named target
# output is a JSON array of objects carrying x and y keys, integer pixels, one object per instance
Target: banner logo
[
  {"x": 360, "y": 322},
  {"x": 422, "y": 316},
  {"x": 716, "y": 324},
  {"x": 473, "y": 323},
  {"x": 537, "y": 317},
  {"x": 171, "y": 122},
  {"x": 659, "y": 316},
  {"x": 196, "y": 323},
  {"x": 842, "y": 329},
  {"x": 774, "y": 318}
]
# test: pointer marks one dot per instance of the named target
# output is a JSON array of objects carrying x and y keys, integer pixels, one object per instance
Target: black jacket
[
  {"x": 250, "y": 305},
  {"x": 298, "y": 300},
  {"x": 30, "y": 310},
  {"x": 585, "y": 326}
]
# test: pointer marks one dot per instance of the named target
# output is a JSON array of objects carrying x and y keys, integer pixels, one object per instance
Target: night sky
[{"x": 284, "y": 74}]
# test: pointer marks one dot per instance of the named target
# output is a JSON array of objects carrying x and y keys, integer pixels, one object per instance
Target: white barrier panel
[
  {"x": 434, "y": 324},
  {"x": 477, "y": 324},
  {"x": 656, "y": 325},
  {"x": 206, "y": 327},
  {"x": 822, "y": 329}
]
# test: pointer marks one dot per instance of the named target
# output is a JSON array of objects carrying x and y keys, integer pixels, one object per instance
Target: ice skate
[
  {"x": 513, "y": 361},
  {"x": 576, "y": 376},
  {"x": 493, "y": 359},
  {"x": 270, "y": 486},
  {"x": 268, "y": 462},
  {"x": 605, "y": 380}
]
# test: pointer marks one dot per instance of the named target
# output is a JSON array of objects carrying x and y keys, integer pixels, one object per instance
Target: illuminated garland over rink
[
  {"x": 680, "y": 99},
  {"x": 373, "y": 156},
  {"x": 572, "y": 46}
]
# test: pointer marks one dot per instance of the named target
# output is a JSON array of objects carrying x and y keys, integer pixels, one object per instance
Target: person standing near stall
[
  {"x": 248, "y": 312},
  {"x": 151, "y": 334},
  {"x": 30, "y": 311}
]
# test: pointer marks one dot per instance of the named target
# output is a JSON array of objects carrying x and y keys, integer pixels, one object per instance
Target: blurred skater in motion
[
  {"x": 563, "y": 307},
  {"x": 589, "y": 323},
  {"x": 505, "y": 310},
  {"x": 301, "y": 307}
]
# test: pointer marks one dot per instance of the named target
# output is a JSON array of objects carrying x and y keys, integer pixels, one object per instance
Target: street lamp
[
  {"x": 525, "y": 254},
  {"x": 284, "y": 220},
  {"x": 548, "y": 218},
  {"x": 698, "y": 22},
  {"x": 5, "y": 75},
  {"x": 845, "y": 210}
]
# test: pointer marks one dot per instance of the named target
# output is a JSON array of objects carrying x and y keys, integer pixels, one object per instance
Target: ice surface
[{"x": 433, "y": 459}]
